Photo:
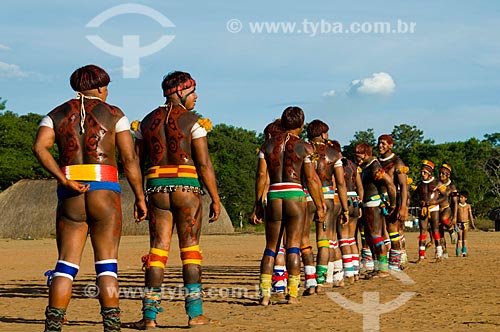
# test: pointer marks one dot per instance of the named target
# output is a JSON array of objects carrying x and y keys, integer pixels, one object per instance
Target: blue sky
[{"x": 443, "y": 77}]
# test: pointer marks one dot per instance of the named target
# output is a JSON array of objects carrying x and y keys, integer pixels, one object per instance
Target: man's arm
[
  {"x": 359, "y": 186},
  {"x": 391, "y": 189},
  {"x": 315, "y": 190},
  {"x": 403, "y": 189},
  {"x": 454, "y": 206},
  {"x": 44, "y": 142},
  {"x": 442, "y": 195},
  {"x": 469, "y": 208},
  {"x": 130, "y": 162},
  {"x": 338, "y": 173},
  {"x": 261, "y": 184},
  {"x": 205, "y": 169}
]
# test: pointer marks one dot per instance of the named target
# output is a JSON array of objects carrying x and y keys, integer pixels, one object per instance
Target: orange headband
[
  {"x": 186, "y": 85},
  {"x": 428, "y": 163}
]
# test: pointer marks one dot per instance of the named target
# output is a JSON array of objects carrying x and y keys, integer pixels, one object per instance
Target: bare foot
[
  {"x": 320, "y": 289},
  {"x": 381, "y": 275},
  {"x": 266, "y": 300},
  {"x": 309, "y": 291},
  {"x": 140, "y": 325},
  {"x": 349, "y": 280},
  {"x": 339, "y": 283},
  {"x": 202, "y": 320},
  {"x": 293, "y": 300},
  {"x": 278, "y": 298}
]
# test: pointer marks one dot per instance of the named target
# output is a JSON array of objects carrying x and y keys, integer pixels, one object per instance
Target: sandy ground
[{"x": 459, "y": 294}]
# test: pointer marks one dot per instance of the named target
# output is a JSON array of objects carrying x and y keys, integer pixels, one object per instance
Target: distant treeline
[{"x": 475, "y": 163}]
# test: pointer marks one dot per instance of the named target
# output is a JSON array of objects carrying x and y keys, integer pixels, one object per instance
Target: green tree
[
  {"x": 494, "y": 138},
  {"x": 17, "y": 134},
  {"x": 367, "y": 136},
  {"x": 233, "y": 151},
  {"x": 405, "y": 137}
]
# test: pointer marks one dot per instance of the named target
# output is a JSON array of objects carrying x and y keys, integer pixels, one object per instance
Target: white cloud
[
  {"x": 4, "y": 47},
  {"x": 8, "y": 70},
  {"x": 379, "y": 83},
  {"x": 330, "y": 93}
]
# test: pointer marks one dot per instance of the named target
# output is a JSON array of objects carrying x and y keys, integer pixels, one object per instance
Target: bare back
[
  {"x": 326, "y": 157},
  {"x": 94, "y": 145},
  {"x": 284, "y": 155},
  {"x": 167, "y": 136}
]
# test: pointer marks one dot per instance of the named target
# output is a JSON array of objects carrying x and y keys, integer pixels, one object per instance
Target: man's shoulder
[
  {"x": 112, "y": 109},
  {"x": 64, "y": 107},
  {"x": 152, "y": 114},
  {"x": 333, "y": 153}
]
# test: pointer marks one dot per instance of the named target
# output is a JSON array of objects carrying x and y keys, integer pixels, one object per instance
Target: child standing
[{"x": 464, "y": 216}]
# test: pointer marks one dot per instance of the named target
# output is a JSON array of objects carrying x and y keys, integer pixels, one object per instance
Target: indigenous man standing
[
  {"x": 375, "y": 206},
  {"x": 87, "y": 132},
  {"x": 172, "y": 143},
  {"x": 286, "y": 158},
  {"x": 449, "y": 208},
  {"x": 355, "y": 193},
  {"x": 328, "y": 164},
  {"x": 395, "y": 167},
  {"x": 429, "y": 199}
]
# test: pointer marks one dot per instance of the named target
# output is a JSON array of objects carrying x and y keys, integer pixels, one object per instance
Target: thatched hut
[{"x": 29, "y": 208}]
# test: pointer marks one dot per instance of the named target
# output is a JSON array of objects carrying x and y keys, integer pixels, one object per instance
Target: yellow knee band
[
  {"x": 156, "y": 257},
  {"x": 191, "y": 255},
  {"x": 323, "y": 243}
]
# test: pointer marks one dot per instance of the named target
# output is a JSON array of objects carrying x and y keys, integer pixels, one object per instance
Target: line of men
[
  {"x": 299, "y": 182},
  {"x": 169, "y": 158},
  {"x": 438, "y": 201}
]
